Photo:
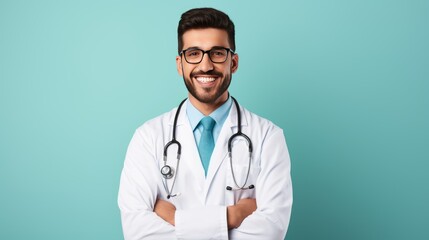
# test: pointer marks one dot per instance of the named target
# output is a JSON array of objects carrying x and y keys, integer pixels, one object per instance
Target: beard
[{"x": 208, "y": 95}]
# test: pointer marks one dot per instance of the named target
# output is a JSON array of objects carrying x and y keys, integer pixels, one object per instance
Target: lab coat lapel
[
  {"x": 220, "y": 152},
  {"x": 190, "y": 159}
]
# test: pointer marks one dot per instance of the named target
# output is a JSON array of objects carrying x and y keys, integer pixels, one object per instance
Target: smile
[{"x": 205, "y": 79}]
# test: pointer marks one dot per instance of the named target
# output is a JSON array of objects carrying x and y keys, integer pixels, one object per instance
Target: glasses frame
[{"x": 228, "y": 50}]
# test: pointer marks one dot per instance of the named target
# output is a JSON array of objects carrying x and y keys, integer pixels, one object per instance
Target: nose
[{"x": 206, "y": 64}]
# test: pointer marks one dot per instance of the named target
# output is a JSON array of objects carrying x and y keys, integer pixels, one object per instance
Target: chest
[{"x": 190, "y": 185}]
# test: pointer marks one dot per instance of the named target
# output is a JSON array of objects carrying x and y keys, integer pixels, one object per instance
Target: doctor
[{"x": 179, "y": 180}]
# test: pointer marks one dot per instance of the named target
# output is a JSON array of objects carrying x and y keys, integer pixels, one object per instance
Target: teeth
[{"x": 205, "y": 79}]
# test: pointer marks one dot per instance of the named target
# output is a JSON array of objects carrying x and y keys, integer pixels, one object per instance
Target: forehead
[{"x": 205, "y": 38}]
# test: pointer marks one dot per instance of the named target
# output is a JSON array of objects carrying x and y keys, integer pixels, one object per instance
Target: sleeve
[
  {"x": 208, "y": 222},
  {"x": 138, "y": 193},
  {"x": 273, "y": 193}
]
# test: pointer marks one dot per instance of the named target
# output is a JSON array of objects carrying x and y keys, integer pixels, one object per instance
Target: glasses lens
[
  {"x": 194, "y": 55},
  {"x": 218, "y": 55}
]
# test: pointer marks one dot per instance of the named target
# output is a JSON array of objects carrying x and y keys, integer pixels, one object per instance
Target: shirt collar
[{"x": 219, "y": 115}]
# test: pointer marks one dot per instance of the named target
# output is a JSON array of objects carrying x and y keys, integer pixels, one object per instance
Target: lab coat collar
[
  {"x": 230, "y": 122},
  {"x": 183, "y": 119}
]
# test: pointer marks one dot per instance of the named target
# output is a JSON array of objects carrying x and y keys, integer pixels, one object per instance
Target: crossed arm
[
  {"x": 146, "y": 217},
  {"x": 235, "y": 213}
]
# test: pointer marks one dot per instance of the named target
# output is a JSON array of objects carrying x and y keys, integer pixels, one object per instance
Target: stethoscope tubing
[
  {"x": 168, "y": 173},
  {"x": 179, "y": 153}
]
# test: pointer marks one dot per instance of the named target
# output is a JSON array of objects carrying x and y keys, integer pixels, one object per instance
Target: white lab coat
[{"x": 202, "y": 201}]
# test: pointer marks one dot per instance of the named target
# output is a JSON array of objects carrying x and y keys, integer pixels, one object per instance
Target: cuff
[{"x": 207, "y": 222}]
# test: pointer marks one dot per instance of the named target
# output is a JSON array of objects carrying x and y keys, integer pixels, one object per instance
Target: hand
[
  {"x": 165, "y": 210},
  {"x": 238, "y": 212}
]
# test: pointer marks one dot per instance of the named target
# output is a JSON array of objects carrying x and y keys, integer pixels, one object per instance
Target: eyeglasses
[{"x": 216, "y": 55}]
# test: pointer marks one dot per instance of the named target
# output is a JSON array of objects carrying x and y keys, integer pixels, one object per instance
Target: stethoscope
[{"x": 168, "y": 172}]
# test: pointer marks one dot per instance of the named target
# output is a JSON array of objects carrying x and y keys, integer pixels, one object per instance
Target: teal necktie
[{"x": 206, "y": 145}]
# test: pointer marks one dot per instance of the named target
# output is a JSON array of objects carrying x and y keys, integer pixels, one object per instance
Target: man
[{"x": 179, "y": 181}]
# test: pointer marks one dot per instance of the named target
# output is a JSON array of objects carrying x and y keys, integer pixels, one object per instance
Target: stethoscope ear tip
[
  {"x": 229, "y": 188},
  {"x": 174, "y": 195}
]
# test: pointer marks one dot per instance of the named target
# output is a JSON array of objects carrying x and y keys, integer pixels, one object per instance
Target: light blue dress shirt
[{"x": 219, "y": 115}]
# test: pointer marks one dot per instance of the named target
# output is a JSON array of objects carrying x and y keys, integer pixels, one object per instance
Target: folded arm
[
  {"x": 273, "y": 194},
  {"x": 137, "y": 194},
  {"x": 235, "y": 213}
]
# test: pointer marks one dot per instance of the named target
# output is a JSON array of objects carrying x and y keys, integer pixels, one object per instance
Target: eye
[
  {"x": 218, "y": 52},
  {"x": 193, "y": 53}
]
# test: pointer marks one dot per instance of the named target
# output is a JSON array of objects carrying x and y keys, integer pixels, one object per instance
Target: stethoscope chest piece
[{"x": 167, "y": 172}]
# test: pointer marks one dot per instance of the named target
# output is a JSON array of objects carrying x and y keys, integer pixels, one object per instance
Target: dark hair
[{"x": 200, "y": 18}]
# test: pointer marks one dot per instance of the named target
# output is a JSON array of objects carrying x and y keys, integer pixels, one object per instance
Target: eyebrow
[{"x": 214, "y": 47}]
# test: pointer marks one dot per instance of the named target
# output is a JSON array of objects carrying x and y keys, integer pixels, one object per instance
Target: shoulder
[
  {"x": 266, "y": 136},
  {"x": 255, "y": 121},
  {"x": 160, "y": 122}
]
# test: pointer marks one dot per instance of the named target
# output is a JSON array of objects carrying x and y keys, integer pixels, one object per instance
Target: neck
[{"x": 207, "y": 108}]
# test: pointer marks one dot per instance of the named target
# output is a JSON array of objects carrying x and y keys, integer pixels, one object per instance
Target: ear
[
  {"x": 179, "y": 65},
  {"x": 234, "y": 63}
]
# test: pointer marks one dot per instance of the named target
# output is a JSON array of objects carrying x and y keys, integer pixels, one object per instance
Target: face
[{"x": 207, "y": 82}]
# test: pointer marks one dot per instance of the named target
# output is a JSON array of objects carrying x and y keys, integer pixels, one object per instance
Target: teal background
[{"x": 346, "y": 80}]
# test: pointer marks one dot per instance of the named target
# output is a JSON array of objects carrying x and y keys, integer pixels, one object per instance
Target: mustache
[{"x": 211, "y": 72}]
